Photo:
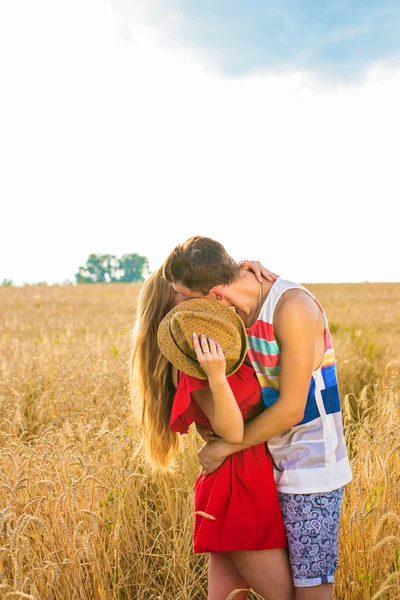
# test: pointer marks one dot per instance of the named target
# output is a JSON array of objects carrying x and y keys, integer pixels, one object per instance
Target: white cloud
[{"x": 112, "y": 143}]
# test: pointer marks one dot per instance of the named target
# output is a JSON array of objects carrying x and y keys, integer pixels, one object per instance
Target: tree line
[{"x": 108, "y": 268}]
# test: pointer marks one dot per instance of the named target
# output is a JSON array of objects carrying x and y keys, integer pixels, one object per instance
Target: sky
[{"x": 127, "y": 126}]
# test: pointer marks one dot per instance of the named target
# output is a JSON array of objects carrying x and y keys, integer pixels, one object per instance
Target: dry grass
[{"x": 83, "y": 516}]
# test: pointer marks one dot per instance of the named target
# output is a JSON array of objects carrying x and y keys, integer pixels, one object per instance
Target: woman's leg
[
  {"x": 267, "y": 572},
  {"x": 223, "y": 578}
]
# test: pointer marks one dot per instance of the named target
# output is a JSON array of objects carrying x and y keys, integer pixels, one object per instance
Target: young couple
[{"x": 283, "y": 391}]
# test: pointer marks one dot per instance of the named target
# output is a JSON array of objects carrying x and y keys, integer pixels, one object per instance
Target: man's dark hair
[{"x": 199, "y": 264}]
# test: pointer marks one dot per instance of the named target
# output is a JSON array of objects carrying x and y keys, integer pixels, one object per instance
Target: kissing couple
[{"x": 248, "y": 358}]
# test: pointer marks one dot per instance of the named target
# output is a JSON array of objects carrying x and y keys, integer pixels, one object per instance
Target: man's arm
[{"x": 295, "y": 324}]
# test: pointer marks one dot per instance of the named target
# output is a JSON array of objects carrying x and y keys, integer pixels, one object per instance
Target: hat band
[{"x": 179, "y": 348}]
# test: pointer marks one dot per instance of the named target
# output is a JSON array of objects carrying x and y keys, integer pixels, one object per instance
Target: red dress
[{"x": 241, "y": 494}]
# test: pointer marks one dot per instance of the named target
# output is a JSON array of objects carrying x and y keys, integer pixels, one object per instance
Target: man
[{"x": 291, "y": 351}]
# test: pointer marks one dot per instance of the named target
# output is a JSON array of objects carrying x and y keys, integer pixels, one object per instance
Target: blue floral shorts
[{"x": 312, "y": 529}]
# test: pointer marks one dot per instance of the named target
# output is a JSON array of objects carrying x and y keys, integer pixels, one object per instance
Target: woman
[{"x": 246, "y": 539}]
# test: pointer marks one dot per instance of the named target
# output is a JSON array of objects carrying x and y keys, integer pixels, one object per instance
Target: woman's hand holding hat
[{"x": 210, "y": 356}]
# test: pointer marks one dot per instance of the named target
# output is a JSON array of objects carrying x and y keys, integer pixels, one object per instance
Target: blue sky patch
[{"x": 339, "y": 38}]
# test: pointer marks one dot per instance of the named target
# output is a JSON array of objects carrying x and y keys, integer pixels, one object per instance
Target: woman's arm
[{"x": 217, "y": 401}]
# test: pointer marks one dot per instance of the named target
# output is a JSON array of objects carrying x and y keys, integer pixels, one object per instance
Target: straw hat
[{"x": 201, "y": 315}]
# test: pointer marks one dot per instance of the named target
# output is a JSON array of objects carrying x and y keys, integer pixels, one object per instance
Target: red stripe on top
[
  {"x": 328, "y": 340},
  {"x": 264, "y": 360},
  {"x": 262, "y": 330}
]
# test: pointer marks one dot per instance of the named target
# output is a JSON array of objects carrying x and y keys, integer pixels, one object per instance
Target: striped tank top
[{"x": 310, "y": 457}]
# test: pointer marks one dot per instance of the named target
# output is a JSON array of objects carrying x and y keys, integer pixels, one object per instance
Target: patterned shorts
[{"x": 312, "y": 528}]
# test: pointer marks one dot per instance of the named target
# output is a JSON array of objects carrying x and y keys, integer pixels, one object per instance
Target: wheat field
[{"x": 82, "y": 514}]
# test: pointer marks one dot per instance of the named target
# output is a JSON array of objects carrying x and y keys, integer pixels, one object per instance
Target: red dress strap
[{"x": 183, "y": 403}]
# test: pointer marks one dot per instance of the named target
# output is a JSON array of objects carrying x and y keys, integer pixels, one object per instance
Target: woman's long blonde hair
[{"x": 151, "y": 373}]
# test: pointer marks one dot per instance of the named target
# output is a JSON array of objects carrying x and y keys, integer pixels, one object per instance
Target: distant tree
[
  {"x": 99, "y": 268},
  {"x": 7, "y": 282},
  {"x": 107, "y": 268},
  {"x": 134, "y": 267}
]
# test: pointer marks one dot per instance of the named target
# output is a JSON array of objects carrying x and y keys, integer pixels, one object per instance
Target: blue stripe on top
[{"x": 262, "y": 346}]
